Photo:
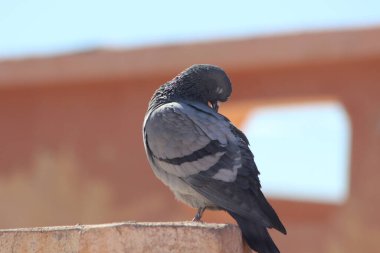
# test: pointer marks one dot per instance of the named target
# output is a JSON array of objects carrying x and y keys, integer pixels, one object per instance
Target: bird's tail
[{"x": 255, "y": 235}]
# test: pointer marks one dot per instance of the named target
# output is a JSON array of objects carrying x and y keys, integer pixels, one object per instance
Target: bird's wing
[
  {"x": 203, "y": 148},
  {"x": 180, "y": 143},
  {"x": 243, "y": 196}
]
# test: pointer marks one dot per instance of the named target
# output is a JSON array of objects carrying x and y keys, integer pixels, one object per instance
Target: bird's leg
[{"x": 198, "y": 215}]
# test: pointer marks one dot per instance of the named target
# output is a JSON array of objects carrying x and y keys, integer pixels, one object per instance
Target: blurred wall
[{"x": 71, "y": 144}]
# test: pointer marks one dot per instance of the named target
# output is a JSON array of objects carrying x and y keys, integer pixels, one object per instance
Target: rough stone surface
[{"x": 125, "y": 237}]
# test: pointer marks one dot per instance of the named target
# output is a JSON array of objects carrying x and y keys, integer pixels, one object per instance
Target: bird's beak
[{"x": 215, "y": 105}]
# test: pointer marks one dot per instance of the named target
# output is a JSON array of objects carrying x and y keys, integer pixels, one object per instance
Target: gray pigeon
[{"x": 203, "y": 158}]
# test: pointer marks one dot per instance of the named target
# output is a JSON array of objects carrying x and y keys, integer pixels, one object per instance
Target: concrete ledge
[{"x": 125, "y": 237}]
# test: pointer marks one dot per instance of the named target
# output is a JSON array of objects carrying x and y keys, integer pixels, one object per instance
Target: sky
[
  {"x": 35, "y": 27},
  {"x": 302, "y": 150}
]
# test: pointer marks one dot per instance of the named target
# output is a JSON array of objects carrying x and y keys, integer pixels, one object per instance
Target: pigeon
[{"x": 203, "y": 158}]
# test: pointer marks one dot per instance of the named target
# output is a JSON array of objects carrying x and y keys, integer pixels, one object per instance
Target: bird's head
[{"x": 203, "y": 83}]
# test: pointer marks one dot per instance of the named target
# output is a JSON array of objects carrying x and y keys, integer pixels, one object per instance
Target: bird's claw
[
  {"x": 197, "y": 219},
  {"x": 198, "y": 215}
]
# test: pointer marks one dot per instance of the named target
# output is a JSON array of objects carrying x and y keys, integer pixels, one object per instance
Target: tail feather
[
  {"x": 270, "y": 213},
  {"x": 256, "y": 235}
]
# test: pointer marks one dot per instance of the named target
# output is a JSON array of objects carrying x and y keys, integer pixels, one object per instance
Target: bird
[{"x": 203, "y": 158}]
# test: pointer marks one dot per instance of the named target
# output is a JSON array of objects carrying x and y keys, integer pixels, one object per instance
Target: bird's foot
[
  {"x": 198, "y": 215},
  {"x": 195, "y": 219}
]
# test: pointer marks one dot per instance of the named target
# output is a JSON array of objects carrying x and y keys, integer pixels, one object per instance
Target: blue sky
[{"x": 30, "y": 27}]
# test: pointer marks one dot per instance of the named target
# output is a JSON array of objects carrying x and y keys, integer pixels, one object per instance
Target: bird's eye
[{"x": 219, "y": 90}]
